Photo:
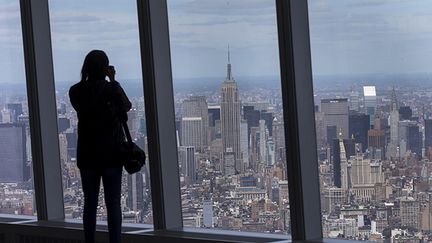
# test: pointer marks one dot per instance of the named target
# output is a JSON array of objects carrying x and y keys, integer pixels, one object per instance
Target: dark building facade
[
  {"x": 331, "y": 133},
  {"x": 63, "y": 124},
  {"x": 358, "y": 128},
  {"x": 405, "y": 113},
  {"x": 414, "y": 140},
  {"x": 428, "y": 133},
  {"x": 252, "y": 117},
  {"x": 268, "y": 118},
  {"x": 13, "y": 155},
  {"x": 214, "y": 115}
]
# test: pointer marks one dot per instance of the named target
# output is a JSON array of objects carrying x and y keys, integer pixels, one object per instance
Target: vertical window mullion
[
  {"x": 159, "y": 108},
  {"x": 42, "y": 109},
  {"x": 298, "y": 104}
]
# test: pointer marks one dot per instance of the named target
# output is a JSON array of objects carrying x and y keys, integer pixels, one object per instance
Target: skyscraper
[
  {"x": 414, "y": 139},
  {"x": 405, "y": 112},
  {"x": 370, "y": 102},
  {"x": 262, "y": 141},
  {"x": 252, "y": 117},
  {"x": 244, "y": 145},
  {"x": 230, "y": 117},
  {"x": 268, "y": 118},
  {"x": 13, "y": 157},
  {"x": 358, "y": 128},
  {"x": 335, "y": 114},
  {"x": 135, "y": 199},
  {"x": 342, "y": 150},
  {"x": 394, "y": 127},
  {"x": 343, "y": 167},
  {"x": 214, "y": 114},
  {"x": 16, "y": 110},
  {"x": 196, "y": 106},
  {"x": 428, "y": 133},
  {"x": 192, "y": 132},
  {"x": 214, "y": 118},
  {"x": 354, "y": 101},
  {"x": 187, "y": 162}
]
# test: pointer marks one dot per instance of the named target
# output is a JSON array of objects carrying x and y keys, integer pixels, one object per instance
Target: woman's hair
[{"x": 94, "y": 66}]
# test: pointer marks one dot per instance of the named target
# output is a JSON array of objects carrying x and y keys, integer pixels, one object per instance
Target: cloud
[
  {"x": 10, "y": 26},
  {"x": 75, "y": 30},
  {"x": 227, "y": 8},
  {"x": 375, "y": 3},
  {"x": 385, "y": 36},
  {"x": 217, "y": 23}
]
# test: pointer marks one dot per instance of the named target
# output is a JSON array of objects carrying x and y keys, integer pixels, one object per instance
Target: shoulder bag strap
[{"x": 126, "y": 130}]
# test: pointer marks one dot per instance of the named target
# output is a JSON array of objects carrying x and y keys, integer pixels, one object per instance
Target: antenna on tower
[
  {"x": 229, "y": 73},
  {"x": 229, "y": 59}
]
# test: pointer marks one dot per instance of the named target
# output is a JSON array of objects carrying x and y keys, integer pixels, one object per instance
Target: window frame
[{"x": 297, "y": 95}]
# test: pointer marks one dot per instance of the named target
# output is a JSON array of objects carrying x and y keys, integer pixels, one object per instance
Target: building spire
[
  {"x": 229, "y": 73},
  {"x": 229, "y": 60},
  {"x": 394, "y": 104}
]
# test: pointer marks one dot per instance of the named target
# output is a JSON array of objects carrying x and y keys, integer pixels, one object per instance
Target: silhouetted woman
[{"x": 101, "y": 105}]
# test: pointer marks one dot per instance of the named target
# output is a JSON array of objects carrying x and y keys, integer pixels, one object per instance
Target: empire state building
[{"x": 230, "y": 123}]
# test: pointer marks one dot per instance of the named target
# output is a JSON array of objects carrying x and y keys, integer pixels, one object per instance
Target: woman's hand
[{"x": 111, "y": 73}]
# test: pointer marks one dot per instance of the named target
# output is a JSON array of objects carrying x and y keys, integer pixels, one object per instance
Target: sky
[{"x": 347, "y": 37}]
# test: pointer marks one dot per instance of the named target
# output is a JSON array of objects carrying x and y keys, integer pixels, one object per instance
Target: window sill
[{"x": 71, "y": 229}]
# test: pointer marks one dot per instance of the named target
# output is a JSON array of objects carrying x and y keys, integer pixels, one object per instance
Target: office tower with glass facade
[
  {"x": 405, "y": 113},
  {"x": 192, "y": 132},
  {"x": 336, "y": 114},
  {"x": 358, "y": 128},
  {"x": 196, "y": 106},
  {"x": 354, "y": 101},
  {"x": 13, "y": 153},
  {"x": 370, "y": 102},
  {"x": 135, "y": 192},
  {"x": 428, "y": 137},
  {"x": 188, "y": 162}
]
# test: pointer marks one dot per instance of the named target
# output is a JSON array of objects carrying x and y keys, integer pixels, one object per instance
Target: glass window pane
[
  {"x": 229, "y": 115},
  {"x": 16, "y": 176},
  {"x": 371, "y": 69},
  {"x": 77, "y": 28}
]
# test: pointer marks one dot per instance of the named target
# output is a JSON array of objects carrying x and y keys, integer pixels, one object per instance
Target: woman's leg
[
  {"x": 90, "y": 180},
  {"x": 112, "y": 178}
]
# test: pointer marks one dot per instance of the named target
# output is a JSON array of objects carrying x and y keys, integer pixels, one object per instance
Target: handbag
[{"x": 132, "y": 156}]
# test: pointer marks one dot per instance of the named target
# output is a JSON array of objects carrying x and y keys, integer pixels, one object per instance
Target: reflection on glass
[
  {"x": 229, "y": 115},
  {"x": 16, "y": 177},
  {"x": 77, "y": 28},
  {"x": 373, "y": 118}
]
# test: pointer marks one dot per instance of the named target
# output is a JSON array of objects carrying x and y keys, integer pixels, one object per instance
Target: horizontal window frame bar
[
  {"x": 185, "y": 235},
  {"x": 36, "y": 226}
]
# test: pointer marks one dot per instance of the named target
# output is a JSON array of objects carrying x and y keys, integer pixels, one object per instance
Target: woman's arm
[
  {"x": 121, "y": 98},
  {"x": 74, "y": 98}
]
